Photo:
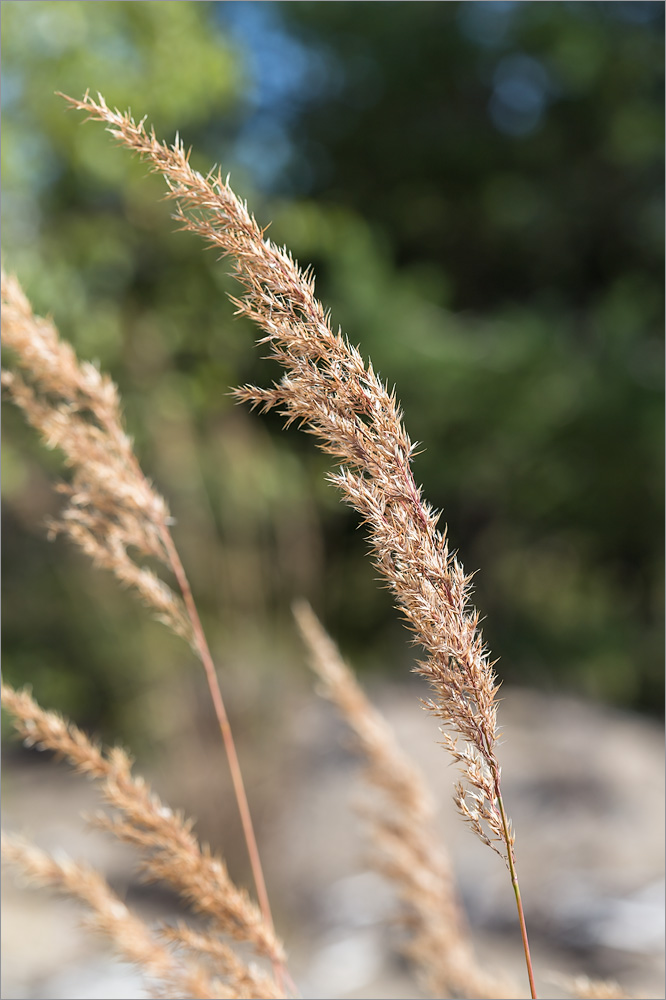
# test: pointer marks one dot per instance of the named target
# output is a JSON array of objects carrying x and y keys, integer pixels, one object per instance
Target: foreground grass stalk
[{"x": 330, "y": 390}]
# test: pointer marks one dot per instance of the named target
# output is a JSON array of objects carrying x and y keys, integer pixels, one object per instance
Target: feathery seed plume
[{"x": 335, "y": 396}]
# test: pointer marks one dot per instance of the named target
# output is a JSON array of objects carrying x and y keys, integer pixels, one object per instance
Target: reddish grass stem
[
  {"x": 227, "y": 736},
  {"x": 206, "y": 658},
  {"x": 112, "y": 506},
  {"x": 516, "y": 890}
]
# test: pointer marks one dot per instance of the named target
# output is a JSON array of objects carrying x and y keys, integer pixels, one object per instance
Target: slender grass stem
[
  {"x": 206, "y": 658},
  {"x": 516, "y": 890},
  {"x": 227, "y": 736}
]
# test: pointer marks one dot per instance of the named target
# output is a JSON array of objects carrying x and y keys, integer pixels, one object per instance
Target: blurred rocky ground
[{"x": 584, "y": 786}]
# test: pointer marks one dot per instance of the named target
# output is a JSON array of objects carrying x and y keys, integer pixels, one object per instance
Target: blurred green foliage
[{"x": 478, "y": 186}]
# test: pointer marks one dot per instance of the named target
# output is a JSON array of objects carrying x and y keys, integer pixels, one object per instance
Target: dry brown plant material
[
  {"x": 109, "y": 916},
  {"x": 403, "y": 832},
  {"x": 335, "y": 396},
  {"x": 170, "y": 851},
  {"x": 113, "y": 511}
]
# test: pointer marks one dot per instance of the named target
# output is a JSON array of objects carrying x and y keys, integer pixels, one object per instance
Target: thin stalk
[
  {"x": 227, "y": 736},
  {"x": 279, "y": 969},
  {"x": 490, "y": 760},
  {"x": 516, "y": 889},
  {"x": 218, "y": 704}
]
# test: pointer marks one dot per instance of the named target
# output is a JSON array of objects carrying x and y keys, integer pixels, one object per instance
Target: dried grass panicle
[
  {"x": 170, "y": 851},
  {"x": 108, "y": 915},
  {"x": 113, "y": 512},
  {"x": 406, "y": 845},
  {"x": 329, "y": 389},
  {"x": 335, "y": 396}
]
